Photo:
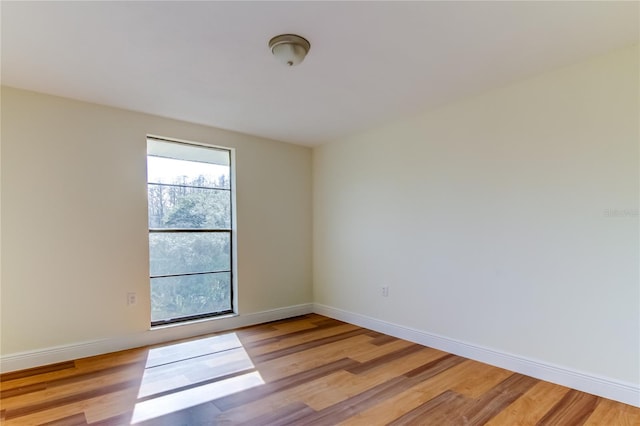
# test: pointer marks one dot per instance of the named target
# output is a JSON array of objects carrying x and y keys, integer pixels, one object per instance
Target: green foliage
[
  {"x": 190, "y": 204},
  {"x": 175, "y": 297},
  {"x": 185, "y": 214}
]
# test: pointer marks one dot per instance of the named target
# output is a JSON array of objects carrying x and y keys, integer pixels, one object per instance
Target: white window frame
[{"x": 234, "y": 236}]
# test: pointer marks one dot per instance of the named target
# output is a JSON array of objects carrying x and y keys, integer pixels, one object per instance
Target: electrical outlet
[
  {"x": 385, "y": 291},
  {"x": 132, "y": 299}
]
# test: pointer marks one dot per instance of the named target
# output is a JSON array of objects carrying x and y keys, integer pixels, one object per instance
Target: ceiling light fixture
[{"x": 290, "y": 49}]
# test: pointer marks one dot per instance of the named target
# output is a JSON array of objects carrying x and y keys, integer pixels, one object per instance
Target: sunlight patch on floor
[{"x": 174, "y": 371}]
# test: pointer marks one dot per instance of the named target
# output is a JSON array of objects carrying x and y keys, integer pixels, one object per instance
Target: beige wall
[
  {"x": 74, "y": 220},
  {"x": 490, "y": 220}
]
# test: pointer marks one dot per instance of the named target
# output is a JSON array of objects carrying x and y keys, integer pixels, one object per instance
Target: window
[{"x": 190, "y": 231}]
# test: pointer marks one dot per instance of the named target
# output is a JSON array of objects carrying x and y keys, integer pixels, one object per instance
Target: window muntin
[{"x": 190, "y": 231}]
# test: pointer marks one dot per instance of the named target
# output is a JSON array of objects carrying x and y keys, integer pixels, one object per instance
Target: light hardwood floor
[{"x": 309, "y": 370}]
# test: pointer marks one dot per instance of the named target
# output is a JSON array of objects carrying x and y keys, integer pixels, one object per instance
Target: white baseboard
[
  {"x": 30, "y": 359},
  {"x": 627, "y": 393}
]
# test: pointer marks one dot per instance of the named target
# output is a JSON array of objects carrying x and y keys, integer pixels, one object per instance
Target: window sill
[{"x": 191, "y": 322}]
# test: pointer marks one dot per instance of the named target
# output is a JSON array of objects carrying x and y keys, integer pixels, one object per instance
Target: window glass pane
[
  {"x": 189, "y": 173},
  {"x": 186, "y": 253},
  {"x": 188, "y": 208},
  {"x": 175, "y": 297}
]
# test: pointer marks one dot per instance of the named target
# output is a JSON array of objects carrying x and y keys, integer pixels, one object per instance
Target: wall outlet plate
[{"x": 132, "y": 299}]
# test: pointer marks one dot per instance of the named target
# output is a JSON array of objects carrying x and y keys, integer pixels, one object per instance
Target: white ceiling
[{"x": 208, "y": 62}]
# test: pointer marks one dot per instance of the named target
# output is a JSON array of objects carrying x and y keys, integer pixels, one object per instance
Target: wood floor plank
[
  {"x": 5, "y": 377},
  {"x": 75, "y": 388},
  {"x": 252, "y": 334},
  {"x": 247, "y": 337},
  {"x": 263, "y": 331},
  {"x": 320, "y": 320},
  {"x": 334, "y": 387},
  {"x": 331, "y": 388},
  {"x": 100, "y": 362},
  {"x": 318, "y": 337},
  {"x": 343, "y": 385},
  {"x": 348, "y": 407},
  {"x": 437, "y": 411},
  {"x": 288, "y": 365},
  {"x": 405, "y": 364},
  {"x": 83, "y": 367},
  {"x": 73, "y": 420},
  {"x": 37, "y": 379},
  {"x": 393, "y": 408},
  {"x": 112, "y": 406},
  {"x": 435, "y": 367},
  {"x": 276, "y": 401},
  {"x": 250, "y": 395},
  {"x": 285, "y": 322},
  {"x": 609, "y": 412},
  {"x": 310, "y": 319},
  {"x": 123, "y": 419},
  {"x": 497, "y": 399},
  {"x": 253, "y": 411},
  {"x": 71, "y": 383},
  {"x": 22, "y": 390},
  {"x": 365, "y": 354},
  {"x": 377, "y": 394},
  {"x": 42, "y": 417},
  {"x": 289, "y": 414},
  {"x": 532, "y": 406},
  {"x": 286, "y": 327},
  {"x": 483, "y": 378},
  {"x": 306, "y": 346},
  {"x": 35, "y": 407},
  {"x": 572, "y": 410},
  {"x": 422, "y": 391},
  {"x": 383, "y": 340},
  {"x": 291, "y": 336},
  {"x": 385, "y": 359}
]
